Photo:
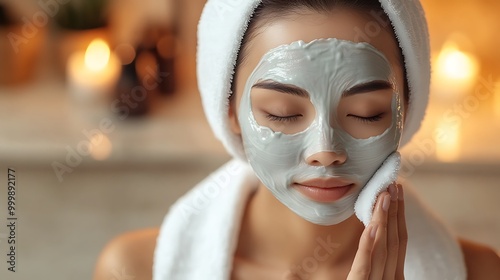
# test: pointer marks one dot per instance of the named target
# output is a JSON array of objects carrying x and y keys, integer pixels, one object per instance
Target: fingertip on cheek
[
  {"x": 393, "y": 191},
  {"x": 386, "y": 202},
  {"x": 401, "y": 195}
]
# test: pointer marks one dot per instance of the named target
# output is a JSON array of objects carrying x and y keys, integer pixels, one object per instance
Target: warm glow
[
  {"x": 97, "y": 55},
  {"x": 94, "y": 73},
  {"x": 457, "y": 64},
  {"x": 448, "y": 144},
  {"x": 497, "y": 99},
  {"x": 455, "y": 71},
  {"x": 101, "y": 147}
]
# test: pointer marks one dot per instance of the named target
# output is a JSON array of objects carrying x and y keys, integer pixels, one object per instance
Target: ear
[{"x": 234, "y": 125}]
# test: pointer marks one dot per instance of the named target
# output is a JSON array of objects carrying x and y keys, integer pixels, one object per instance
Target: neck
[{"x": 272, "y": 234}]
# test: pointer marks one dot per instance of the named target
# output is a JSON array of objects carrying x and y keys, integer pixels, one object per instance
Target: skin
[
  {"x": 309, "y": 26},
  {"x": 268, "y": 228}
]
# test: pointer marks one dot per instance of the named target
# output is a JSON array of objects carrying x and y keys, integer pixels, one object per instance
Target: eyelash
[
  {"x": 371, "y": 119},
  {"x": 274, "y": 118},
  {"x": 283, "y": 119}
]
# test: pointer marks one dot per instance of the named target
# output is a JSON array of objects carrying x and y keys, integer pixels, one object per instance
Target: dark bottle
[
  {"x": 156, "y": 56},
  {"x": 5, "y": 18},
  {"x": 133, "y": 99}
]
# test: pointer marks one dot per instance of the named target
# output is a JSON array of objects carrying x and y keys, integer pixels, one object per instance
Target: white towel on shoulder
[{"x": 199, "y": 235}]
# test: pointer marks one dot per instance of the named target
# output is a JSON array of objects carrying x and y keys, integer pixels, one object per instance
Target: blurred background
[{"x": 101, "y": 119}]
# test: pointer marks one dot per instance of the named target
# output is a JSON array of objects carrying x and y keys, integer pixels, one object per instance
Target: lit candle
[
  {"x": 455, "y": 73},
  {"x": 448, "y": 141},
  {"x": 93, "y": 74},
  {"x": 101, "y": 147}
]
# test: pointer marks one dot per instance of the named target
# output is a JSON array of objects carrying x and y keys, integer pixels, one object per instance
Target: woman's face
[{"x": 317, "y": 112}]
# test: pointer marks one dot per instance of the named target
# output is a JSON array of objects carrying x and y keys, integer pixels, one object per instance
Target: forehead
[
  {"x": 343, "y": 24},
  {"x": 323, "y": 60}
]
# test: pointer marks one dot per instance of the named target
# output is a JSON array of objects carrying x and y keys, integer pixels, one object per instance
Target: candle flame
[
  {"x": 456, "y": 64},
  {"x": 97, "y": 55}
]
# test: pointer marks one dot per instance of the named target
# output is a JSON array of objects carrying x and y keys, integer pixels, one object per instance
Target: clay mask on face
[{"x": 325, "y": 69}]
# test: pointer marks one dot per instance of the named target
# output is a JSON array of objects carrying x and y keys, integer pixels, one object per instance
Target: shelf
[{"x": 40, "y": 123}]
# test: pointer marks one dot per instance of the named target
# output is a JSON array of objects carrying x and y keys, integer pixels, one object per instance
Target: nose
[{"x": 326, "y": 159}]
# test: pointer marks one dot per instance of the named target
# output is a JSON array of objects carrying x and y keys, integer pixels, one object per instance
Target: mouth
[{"x": 324, "y": 189}]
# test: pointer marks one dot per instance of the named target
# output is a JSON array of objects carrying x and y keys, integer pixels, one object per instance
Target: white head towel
[{"x": 223, "y": 24}]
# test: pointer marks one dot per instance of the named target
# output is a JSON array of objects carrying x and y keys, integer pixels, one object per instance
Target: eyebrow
[
  {"x": 367, "y": 87},
  {"x": 284, "y": 88}
]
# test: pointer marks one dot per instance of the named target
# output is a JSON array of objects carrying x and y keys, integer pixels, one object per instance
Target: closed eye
[
  {"x": 283, "y": 118},
  {"x": 375, "y": 118}
]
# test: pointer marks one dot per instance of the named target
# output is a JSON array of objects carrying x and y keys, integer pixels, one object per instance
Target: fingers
[
  {"x": 402, "y": 234},
  {"x": 379, "y": 219},
  {"x": 361, "y": 266},
  {"x": 382, "y": 248},
  {"x": 392, "y": 235}
]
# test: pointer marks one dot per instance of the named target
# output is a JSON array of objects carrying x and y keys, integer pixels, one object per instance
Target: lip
[
  {"x": 324, "y": 189},
  {"x": 325, "y": 183}
]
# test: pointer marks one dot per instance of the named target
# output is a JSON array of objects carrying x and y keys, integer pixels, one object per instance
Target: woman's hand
[{"x": 382, "y": 247}]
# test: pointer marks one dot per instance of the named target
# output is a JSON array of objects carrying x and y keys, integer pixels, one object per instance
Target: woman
[{"x": 320, "y": 94}]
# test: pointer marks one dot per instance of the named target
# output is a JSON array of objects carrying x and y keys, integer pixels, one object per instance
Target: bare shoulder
[
  {"x": 128, "y": 256},
  {"x": 481, "y": 261}
]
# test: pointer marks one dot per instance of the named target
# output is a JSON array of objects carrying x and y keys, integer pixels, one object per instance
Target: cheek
[
  {"x": 240, "y": 78},
  {"x": 233, "y": 117},
  {"x": 235, "y": 100},
  {"x": 400, "y": 85}
]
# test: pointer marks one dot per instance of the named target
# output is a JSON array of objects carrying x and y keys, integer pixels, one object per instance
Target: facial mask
[{"x": 325, "y": 68}]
